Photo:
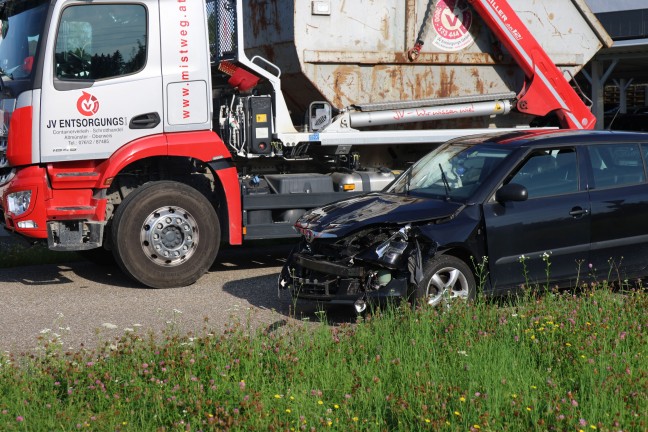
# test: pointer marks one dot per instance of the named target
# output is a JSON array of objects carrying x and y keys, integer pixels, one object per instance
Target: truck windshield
[
  {"x": 21, "y": 26},
  {"x": 452, "y": 172}
]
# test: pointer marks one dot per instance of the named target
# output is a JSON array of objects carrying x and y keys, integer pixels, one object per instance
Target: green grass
[{"x": 558, "y": 362}]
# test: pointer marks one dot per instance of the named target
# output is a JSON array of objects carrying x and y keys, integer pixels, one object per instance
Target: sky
[{"x": 616, "y": 5}]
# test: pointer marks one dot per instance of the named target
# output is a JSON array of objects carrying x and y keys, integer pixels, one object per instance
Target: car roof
[{"x": 554, "y": 136}]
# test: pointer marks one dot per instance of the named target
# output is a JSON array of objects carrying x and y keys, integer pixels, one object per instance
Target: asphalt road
[{"x": 87, "y": 304}]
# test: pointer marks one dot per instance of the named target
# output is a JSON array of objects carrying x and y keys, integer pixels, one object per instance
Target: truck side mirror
[{"x": 511, "y": 192}]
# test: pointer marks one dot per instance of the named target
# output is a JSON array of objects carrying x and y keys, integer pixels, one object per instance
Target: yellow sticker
[{"x": 261, "y": 118}]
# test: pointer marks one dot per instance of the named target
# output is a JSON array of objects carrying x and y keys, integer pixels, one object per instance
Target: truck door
[
  {"x": 102, "y": 87},
  {"x": 555, "y": 219}
]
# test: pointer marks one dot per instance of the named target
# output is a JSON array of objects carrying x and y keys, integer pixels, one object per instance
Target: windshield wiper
[{"x": 445, "y": 183}]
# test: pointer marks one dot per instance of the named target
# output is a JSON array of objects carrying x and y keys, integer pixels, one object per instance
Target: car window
[
  {"x": 616, "y": 165},
  {"x": 100, "y": 41},
  {"x": 453, "y": 172},
  {"x": 549, "y": 172}
]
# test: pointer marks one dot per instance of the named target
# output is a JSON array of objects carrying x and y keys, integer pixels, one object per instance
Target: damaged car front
[{"x": 414, "y": 240}]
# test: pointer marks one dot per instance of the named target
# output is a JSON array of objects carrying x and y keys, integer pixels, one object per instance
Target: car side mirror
[{"x": 511, "y": 192}]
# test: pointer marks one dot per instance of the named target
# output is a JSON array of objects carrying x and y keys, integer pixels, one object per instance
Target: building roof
[{"x": 626, "y": 21}]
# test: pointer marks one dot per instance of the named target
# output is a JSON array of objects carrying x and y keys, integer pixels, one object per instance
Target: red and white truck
[{"x": 157, "y": 129}]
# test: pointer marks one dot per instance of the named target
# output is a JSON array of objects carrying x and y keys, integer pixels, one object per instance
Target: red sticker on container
[{"x": 452, "y": 21}]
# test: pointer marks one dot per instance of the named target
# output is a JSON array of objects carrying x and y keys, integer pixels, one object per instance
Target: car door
[
  {"x": 619, "y": 203},
  {"x": 547, "y": 235}
]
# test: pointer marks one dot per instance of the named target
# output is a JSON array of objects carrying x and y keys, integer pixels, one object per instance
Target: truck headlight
[{"x": 18, "y": 202}]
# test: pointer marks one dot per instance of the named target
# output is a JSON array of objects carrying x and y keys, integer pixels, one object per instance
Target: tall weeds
[{"x": 560, "y": 361}]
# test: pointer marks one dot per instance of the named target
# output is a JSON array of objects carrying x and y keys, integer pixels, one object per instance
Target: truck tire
[
  {"x": 446, "y": 279},
  {"x": 165, "y": 234}
]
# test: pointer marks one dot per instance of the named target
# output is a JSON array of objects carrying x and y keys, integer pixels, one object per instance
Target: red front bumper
[{"x": 47, "y": 204}]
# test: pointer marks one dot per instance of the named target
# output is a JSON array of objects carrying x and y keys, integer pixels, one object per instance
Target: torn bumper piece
[
  {"x": 310, "y": 278},
  {"x": 328, "y": 267}
]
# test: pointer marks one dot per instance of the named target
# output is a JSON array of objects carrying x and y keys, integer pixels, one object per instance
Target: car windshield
[
  {"x": 453, "y": 171},
  {"x": 21, "y": 26}
]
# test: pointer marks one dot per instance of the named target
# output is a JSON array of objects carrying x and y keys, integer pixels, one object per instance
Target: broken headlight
[{"x": 389, "y": 253}]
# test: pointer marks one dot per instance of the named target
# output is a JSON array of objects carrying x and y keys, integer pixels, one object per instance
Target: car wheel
[
  {"x": 446, "y": 279},
  {"x": 165, "y": 234}
]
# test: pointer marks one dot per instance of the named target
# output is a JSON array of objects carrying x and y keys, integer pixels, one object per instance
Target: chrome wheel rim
[
  {"x": 169, "y": 236},
  {"x": 446, "y": 286}
]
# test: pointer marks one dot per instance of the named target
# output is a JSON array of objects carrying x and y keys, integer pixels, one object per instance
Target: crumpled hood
[{"x": 342, "y": 217}]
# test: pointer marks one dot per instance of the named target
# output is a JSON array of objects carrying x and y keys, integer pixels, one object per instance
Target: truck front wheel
[{"x": 165, "y": 234}]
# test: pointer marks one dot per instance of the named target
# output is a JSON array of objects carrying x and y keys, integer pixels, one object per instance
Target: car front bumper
[{"x": 311, "y": 278}]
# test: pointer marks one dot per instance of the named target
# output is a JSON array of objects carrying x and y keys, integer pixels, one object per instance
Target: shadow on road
[
  {"x": 259, "y": 291},
  {"x": 56, "y": 274},
  {"x": 273, "y": 254},
  {"x": 36, "y": 276},
  {"x": 106, "y": 274},
  {"x": 252, "y": 255},
  {"x": 103, "y": 269},
  {"x": 262, "y": 292}
]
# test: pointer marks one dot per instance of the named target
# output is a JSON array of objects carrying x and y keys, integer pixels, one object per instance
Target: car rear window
[{"x": 616, "y": 165}]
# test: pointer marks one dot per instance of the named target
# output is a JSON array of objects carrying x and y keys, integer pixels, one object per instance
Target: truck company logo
[
  {"x": 88, "y": 105},
  {"x": 452, "y": 21},
  {"x": 72, "y": 133}
]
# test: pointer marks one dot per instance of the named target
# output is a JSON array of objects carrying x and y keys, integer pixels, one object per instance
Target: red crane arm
[{"x": 546, "y": 89}]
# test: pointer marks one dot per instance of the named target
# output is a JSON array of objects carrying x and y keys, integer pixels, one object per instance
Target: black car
[{"x": 500, "y": 211}]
